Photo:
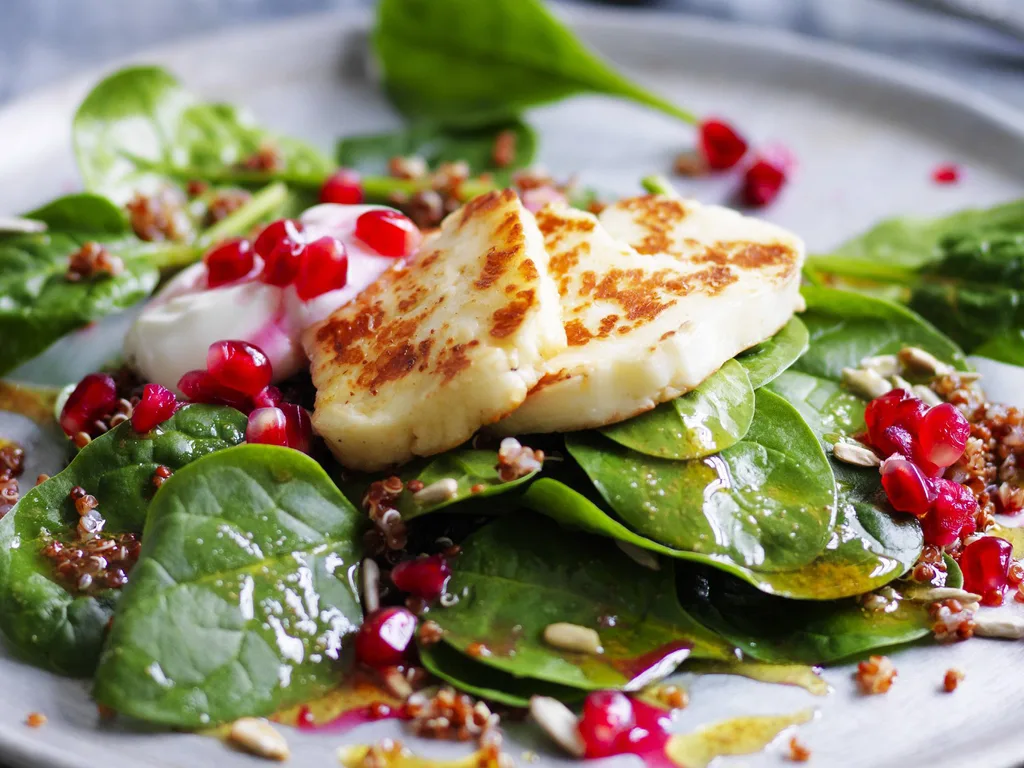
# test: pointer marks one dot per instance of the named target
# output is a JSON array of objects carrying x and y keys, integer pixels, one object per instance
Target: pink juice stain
[
  {"x": 646, "y": 739},
  {"x": 347, "y": 720}
]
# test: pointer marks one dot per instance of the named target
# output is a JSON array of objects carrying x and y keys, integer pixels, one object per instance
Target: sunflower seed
[
  {"x": 558, "y": 722},
  {"x": 1004, "y": 626},
  {"x": 572, "y": 637},
  {"x": 926, "y": 394},
  {"x": 865, "y": 383},
  {"x": 917, "y": 360},
  {"x": 900, "y": 383},
  {"x": 371, "y": 586},
  {"x": 445, "y": 489},
  {"x": 883, "y": 365},
  {"x": 855, "y": 454},
  {"x": 936, "y": 594},
  {"x": 258, "y": 737}
]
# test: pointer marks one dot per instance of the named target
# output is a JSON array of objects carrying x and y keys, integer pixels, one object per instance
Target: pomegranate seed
[
  {"x": 986, "y": 565},
  {"x": 269, "y": 396},
  {"x": 607, "y": 717},
  {"x": 385, "y": 637},
  {"x": 388, "y": 232},
  {"x": 93, "y": 398},
  {"x": 952, "y": 513},
  {"x": 299, "y": 427},
  {"x": 908, "y": 490},
  {"x": 893, "y": 420},
  {"x": 323, "y": 268},
  {"x": 157, "y": 405},
  {"x": 229, "y": 262},
  {"x": 720, "y": 144},
  {"x": 942, "y": 435},
  {"x": 763, "y": 181},
  {"x": 947, "y": 173},
  {"x": 239, "y": 365},
  {"x": 424, "y": 577},
  {"x": 200, "y": 387},
  {"x": 280, "y": 245},
  {"x": 344, "y": 187},
  {"x": 267, "y": 426}
]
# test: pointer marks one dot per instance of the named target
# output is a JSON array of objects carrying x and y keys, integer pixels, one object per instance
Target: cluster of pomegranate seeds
[
  {"x": 424, "y": 577},
  {"x": 720, "y": 144},
  {"x": 388, "y": 232},
  {"x": 344, "y": 187},
  {"x": 93, "y": 398},
  {"x": 921, "y": 443},
  {"x": 986, "y": 564},
  {"x": 155, "y": 407},
  {"x": 385, "y": 638},
  {"x": 722, "y": 147},
  {"x": 280, "y": 245},
  {"x": 229, "y": 262}
]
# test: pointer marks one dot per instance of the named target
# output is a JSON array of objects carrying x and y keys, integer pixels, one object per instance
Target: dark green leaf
[
  {"x": 1006, "y": 347},
  {"x": 139, "y": 130},
  {"x": 243, "y": 598},
  {"x": 370, "y": 153},
  {"x": 770, "y": 358},
  {"x": 708, "y": 419},
  {"x": 766, "y": 504},
  {"x": 42, "y": 620},
  {"x": 521, "y": 573},
  {"x": 464, "y": 62},
  {"x": 970, "y": 314},
  {"x": 470, "y": 468},
  {"x": 472, "y": 677},
  {"x": 82, "y": 212}
]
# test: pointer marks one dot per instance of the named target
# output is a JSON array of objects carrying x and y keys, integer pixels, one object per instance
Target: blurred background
[{"x": 42, "y": 41}]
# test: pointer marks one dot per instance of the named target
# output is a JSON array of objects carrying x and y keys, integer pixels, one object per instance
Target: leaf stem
[
  {"x": 259, "y": 206},
  {"x": 658, "y": 185}
]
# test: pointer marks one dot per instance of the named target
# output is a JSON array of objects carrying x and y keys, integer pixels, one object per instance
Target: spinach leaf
[
  {"x": 846, "y": 327},
  {"x": 39, "y": 305},
  {"x": 465, "y": 63},
  {"x": 470, "y": 468},
  {"x": 772, "y": 629},
  {"x": 708, "y": 419},
  {"x": 770, "y": 358},
  {"x": 1006, "y": 347},
  {"x": 370, "y": 153},
  {"x": 521, "y": 573},
  {"x": 139, "y": 130},
  {"x": 243, "y": 598},
  {"x": 41, "y": 619},
  {"x": 766, "y": 504},
  {"x": 472, "y": 677}
]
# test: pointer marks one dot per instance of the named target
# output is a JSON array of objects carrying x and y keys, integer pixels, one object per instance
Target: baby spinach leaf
[
  {"x": 243, "y": 598},
  {"x": 463, "y": 62},
  {"x": 1006, "y": 347},
  {"x": 770, "y": 358},
  {"x": 767, "y": 503},
  {"x": 472, "y": 677},
  {"x": 775, "y": 630},
  {"x": 370, "y": 153},
  {"x": 708, "y": 419},
  {"x": 846, "y": 327},
  {"x": 82, "y": 212},
  {"x": 521, "y": 573},
  {"x": 470, "y": 468},
  {"x": 41, "y": 619},
  {"x": 139, "y": 130}
]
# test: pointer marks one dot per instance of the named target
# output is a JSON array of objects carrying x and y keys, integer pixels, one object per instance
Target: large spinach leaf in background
[
  {"x": 42, "y": 620},
  {"x": 523, "y": 572},
  {"x": 370, "y": 153},
  {"x": 39, "y": 305},
  {"x": 708, "y": 419},
  {"x": 770, "y": 358},
  {"x": 470, "y": 468},
  {"x": 467, "y": 63},
  {"x": 766, "y": 504},
  {"x": 139, "y": 130},
  {"x": 242, "y": 602}
]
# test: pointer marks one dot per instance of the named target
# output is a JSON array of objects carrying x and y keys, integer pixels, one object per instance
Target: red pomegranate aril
[
  {"x": 942, "y": 435},
  {"x": 281, "y": 232},
  {"x": 229, "y": 262},
  {"x": 344, "y": 187},
  {"x": 267, "y": 426},
  {"x": 299, "y": 427},
  {"x": 268, "y": 396},
  {"x": 93, "y": 398},
  {"x": 280, "y": 246},
  {"x": 986, "y": 565},
  {"x": 947, "y": 173},
  {"x": 385, "y": 637},
  {"x": 607, "y": 718},
  {"x": 763, "y": 181},
  {"x": 388, "y": 232},
  {"x": 200, "y": 387},
  {"x": 952, "y": 514},
  {"x": 720, "y": 144},
  {"x": 157, "y": 405},
  {"x": 424, "y": 577},
  {"x": 323, "y": 267},
  {"x": 906, "y": 487},
  {"x": 240, "y": 366}
]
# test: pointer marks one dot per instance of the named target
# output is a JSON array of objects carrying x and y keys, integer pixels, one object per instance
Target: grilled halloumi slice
[
  {"x": 441, "y": 346},
  {"x": 656, "y": 295}
]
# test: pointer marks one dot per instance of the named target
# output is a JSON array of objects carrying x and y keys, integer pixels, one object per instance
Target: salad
[{"x": 422, "y": 432}]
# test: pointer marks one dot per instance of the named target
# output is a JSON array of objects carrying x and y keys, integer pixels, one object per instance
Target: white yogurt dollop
[{"x": 177, "y": 327}]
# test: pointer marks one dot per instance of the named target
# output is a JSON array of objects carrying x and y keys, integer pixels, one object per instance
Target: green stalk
[
  {"x": 261, "y": 205},
  {"x": 170, "y": 257},
  {"x": 658, "y": 185}
]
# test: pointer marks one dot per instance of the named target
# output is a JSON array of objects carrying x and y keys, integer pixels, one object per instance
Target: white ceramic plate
[{"x": 867, "y": 133}]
